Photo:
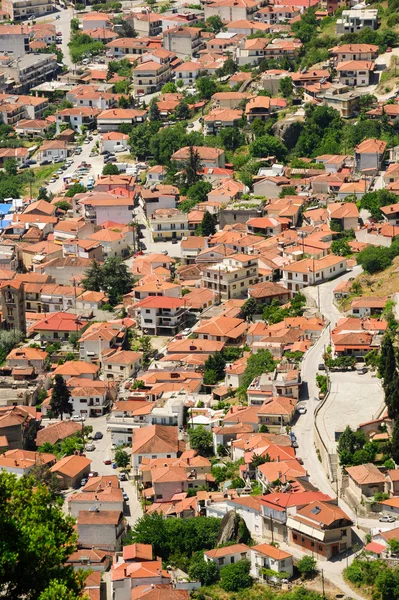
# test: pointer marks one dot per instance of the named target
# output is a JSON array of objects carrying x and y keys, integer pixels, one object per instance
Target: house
[
  {"x": 114, "y": 141},
  {"x": 309, "y": 271},
  {"x": 149, "y": 76},
  {"x": 88, "y": 399},
  {"x": 95, "y": 20},
  {"x": 228, "y": 555},
  {"x": 210, "y": 157},
  {"x": 76, "y": 118},
  {"x": 232, "y": 277},
  {"x": 266, "y": 556},
  {"x": 77, "y": 368},
  {"x": 162, "y": 315},
  {"x": 52, "y": 149},
  {"x": 120, "y": 365},
  {"x": 321, "y": 529},
  {"x": 146, "y": 24},
  {"x": 154, "y": 441},
  {"x": 100, "y": 207},
  {"x": 345, "y": 215},
  {"x": 101, "y": 529},
  {"x": 92, "y": 560},
  {"x": 109, "y": 120},
  {"x": 355, "y": 52},
  {"x": 104, "y": 497},
  {"x": 56, "y": 432},
  {"x": 131, "y": 579},
  {"x": 70, "y": 470},
  {"x": 159, "y": 196},
  {"x": 365, "y": 307},
  {"x": 58, "y": 326},
  {"x": 188, "y": 72},
  {"x": 369, "y": 155},
  {"x": 355, "y": 73},
  {"x": 276, "y": 412},
  {"x": 355, "y": 20},
  {"x": 364, "y": 481},
  {"x": 267, "y": 291},
  {"x": 219, "y": 118},
  {"x": 228, "y": 330},
  {"x": 232, "y": 10},
  {"x": 22, "y": 358},
  {"x": 128, "y": 415}
]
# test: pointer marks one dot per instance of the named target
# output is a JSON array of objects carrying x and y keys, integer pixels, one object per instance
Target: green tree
[
  {"x": 268, "y": 145},
  {"x": 43, "y": 194},
  {"x": 217, "y": 363},
  {"x": 201, "y": 439},
  {"x": 63, "y": 205},
  {"x": 74, "y": 25},
  {"x": 231, "y": 138},
  {"x": 307, "y": 566},
  {"x": 122, "y": 458},
  {"x": 349, "y": 443},
  {"x": 169, "y": 88},
  {"x": 206, "y": 87},
  {"x": 258, "y": 363},
  {"x": 8, "y": 341},
  {"x": 341, "y": 248},
  {"x": 153, "y": 110},
  {"x": 36, "y": 540},
  {"x": 182, "y": 110},
  {"x": 111, "y": 169},
  {"x": 392, "y": 396},
  {"x": 206, "y": 572},
  {"x": 208, "y": 224},
  {"x": 93, "y": 279},
  {"x": 387, "y": 362},
  {"x": 11, "y": 166},
  {"x": 60, "y": 402},
  {"x": 190, "y": 168},
  {"x": 215, "y": 23},
  {"x": 76, "y": 188},
  {"x": 285, "y": 87},
  {"x": 236, "y": 576},
  {"x": 249, "y": 309}
]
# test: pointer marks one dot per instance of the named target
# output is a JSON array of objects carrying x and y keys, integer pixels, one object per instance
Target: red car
[
  {"x": 138, "y": 253},
  {"x": 107, "y": 461},
  {"x": 59, "y": 33},
  {"x": 389, "y": 49}
]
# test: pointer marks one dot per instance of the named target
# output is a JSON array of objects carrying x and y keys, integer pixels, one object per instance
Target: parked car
[
  {"x": 302, "y": 410},
  {"x": 90, "y": 447},
  {"x": 321, "y": 367},
  {"x": 122, "y": 477},
  {"x": 98, "y": 436},
  {"x": 175, "y": 241},
  {"x": 83, "y": 481},
  {"x": 362, "y": 370},
  {"x": 107, "y": 461},
  {"x": 125, "y": 496},
  {"x": 387, "y": 519},
  {"x": 78, "y": 418},
  {"x": 92, "y": 474}
]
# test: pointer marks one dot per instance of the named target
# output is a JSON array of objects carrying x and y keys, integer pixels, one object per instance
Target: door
[{"x": 335, "y": 550}]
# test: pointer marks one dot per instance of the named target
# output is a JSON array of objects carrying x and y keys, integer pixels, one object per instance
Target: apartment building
[
  {"x": 162, "y": 315},
  {"x": 183, "y": 41},
  {"x": 133, "y": 46},
  {"x": 232, "y": 277},
  {"x": 150, "y": 75},
  {"x": 29, "y": 70},
  {"x": 76, "y": 118},
  {"x": 346, "y": 52},
  {"x": 169, "y": 224},
  {"x": 145, "y": 23},
  {"x": 14, "y": 39},
  {"x": 355, "y": 73}
]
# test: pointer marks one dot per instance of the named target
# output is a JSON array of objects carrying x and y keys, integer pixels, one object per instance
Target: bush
[
  {"x": 236, "y": 577},
  {"x": 307, "y": 566}
]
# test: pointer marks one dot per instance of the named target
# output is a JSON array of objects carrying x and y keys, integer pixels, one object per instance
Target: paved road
[
  {"x": 63, "y": 25},
  {"x": 173, "y": 250}
]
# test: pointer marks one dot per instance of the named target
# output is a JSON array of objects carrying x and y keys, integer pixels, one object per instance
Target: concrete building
[
  {"x": 232, "y": 277},
  {"x": 353, "y": 21},
  {"x": 183, "y": 41},
  {"x": 228, "y": 555},
  {"x": 266, "y": 556},
  {"x": 355, "y": 73},
  {"x": 13, "y": 305},
  {"x": 162, "y": 315},
  {"x": 169, "y": 224},
  {"x": 102, "y": 529},
  {"x": 29, "y": 70},
  {"x": 14, "y": 39},
  {"x": 369, "y": 155},
  {"x": 310, "y": 271}
]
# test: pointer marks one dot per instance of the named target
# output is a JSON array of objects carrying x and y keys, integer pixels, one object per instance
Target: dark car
[
  {"x": 98, "y": 436},
  {"x": 322, "y": 367},
  {"x": 174, "y": 241}
]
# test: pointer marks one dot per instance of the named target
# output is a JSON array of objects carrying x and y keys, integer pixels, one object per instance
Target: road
[
  {"x": 173, "y": 250},
  {"x": 97, "y": 163},
  {"x": 63, "y": 25}
]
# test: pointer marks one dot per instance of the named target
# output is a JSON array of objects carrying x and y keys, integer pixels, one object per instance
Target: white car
[
  {"x": 186, "y": 331},
  {"x": 302, "y": 410},
  {"x": 90, "y": 447},
  {"x": 78, "y": 418},
  {"x": 387, "y": 519}
]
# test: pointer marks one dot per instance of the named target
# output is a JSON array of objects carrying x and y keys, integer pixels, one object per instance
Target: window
[
  {"x": 343, "y": 532},
  {"x": 312, "y": 544},
  {"x": 320, "y": 548},
  {"x": 221, "y": 561},
  {"x": 294, "y": 536}
]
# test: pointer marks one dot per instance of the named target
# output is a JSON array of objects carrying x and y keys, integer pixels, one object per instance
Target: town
[{"x": 199, "y": 288}]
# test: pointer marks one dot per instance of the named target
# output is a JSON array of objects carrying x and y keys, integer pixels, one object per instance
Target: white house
[
  {"x": 309, "y": 271},
  {"x": 266, "y": 556},
  {"x": 228, "y": 555},
  {"x": 121, "y": 364},
  {"x": 114, "y": 141}
]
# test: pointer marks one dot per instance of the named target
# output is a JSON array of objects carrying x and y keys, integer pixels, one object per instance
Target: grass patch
[{"x": 41, "y": 174}]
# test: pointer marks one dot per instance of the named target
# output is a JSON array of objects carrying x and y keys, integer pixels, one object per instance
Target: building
[
  {"x": 162, "y": 315},
  {"x": 101, "y": 529},
  {"x": 20, "y": 462},
  {"x": 76, "y": 118},
  {"x": 310, "y": 271},
  {"x": 114, "y": 141},
  {"x": 29, "y": 70},
  {"x": 17, "y": 426},
  {"x": 369, "y": 155},
  {"x": 364, "y": 481},
  {"x": 154, "y": 441},
  {"x": 266, "y": 556},
  {"x": 321, "y": 529},
  {"x": 120, "y": 365},
  {"x": 232, "y": 277},
  {"x": 365, "y": 307},
  {"x": 150, "y": 75},
  {"x": 169, "y": 224},
  {"x": 183, "y": 41},
  {"x": 14, "y": 39},
  {"x": 13, "y": 305},
  {"x": 54, "y": 149},
  {"x": 109, "y": 120},
  {"x": 210, "y": 157},
  {"x": 355, "y": 20},
  {"x": 219, "y": 118},
  {"x": 188, "y": 72},
  {"x": 355, "y": 73},
  {"x": 228, "y": 555},
  {"x": 70, "y": 470},
  {"x": 362, "y": 52}
]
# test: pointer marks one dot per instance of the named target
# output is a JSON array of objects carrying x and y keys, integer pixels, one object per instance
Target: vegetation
[
  {"x": 60, "y": 402},
  {"x": 236, "y": 577},
  {"x": 307, "y": 566},
  {"x": 66, "y": 447},
  {"x": 375, "y": 576},
  {"x": 112, "y": 278},
  {"x": 258, "y": 363},
  {"x": 8, "y": 341},
  {"x": 275, "y": 313},
  {"x": 201, "y": 439},
  {"x": 354, "y": 449},
  {"x": 36, "y": 540},
  {"x": 122, "y": 458},
  {"x": 82, "y": 46}
]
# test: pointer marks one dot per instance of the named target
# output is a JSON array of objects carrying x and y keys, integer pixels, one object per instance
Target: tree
[
  {"x": 182, "y": 110},
  {"x": 11, "y": 166},
  {"x": 93, "y": 280},
  {"x": 76, "y": 188},
  {"x": 231, "y": 138},
  {"x": 387, "y": 363},
  {"x": 206, "y": 572},
  {"x": 8, "y": 341},
  {"x": 63, "y": 205},
  {"x": 60, "y": 402},
  {"x": 74, "y": 25},
  {"x": 215, "y": 23},
  {"x": 229, "y": 67},
  {"x": 217, "y": 363},
  {"x": 110, "y": 169},
  {"x": 122, "y": 87},
  {"x": 191, "y": 168},
  {"x": 249, "y": 309},
  {"x": 58, "y": 589},
  {"x": 208, "y": 224},
  {"x": 201, "y": 439},
  {"x": 374, "y": 259},
  {"x": 285, "y": 87},
  {"x": 36, "y": 540},
  {"x": 341, "y": 248},
  {"x": 169, "y": 88},
  {"x": 122, "y": 458},
  {"x": 259, "y": 460},
  {"x": 267, "y": 145},
  {"x": 258, "y": 363},
  {"x": 210, "y": 377},
  {"x": 236, "y": 576},
  {"x": 42, "y": 475},
  {"x": 153, "y": 110},
  {"x": 206, "y": 87},
  {"x": 43, "y": 194},
  {"x": 306, "y": 566},
  {"x": 349, "y": 443},
  {"x": 392, "y": 396}
]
